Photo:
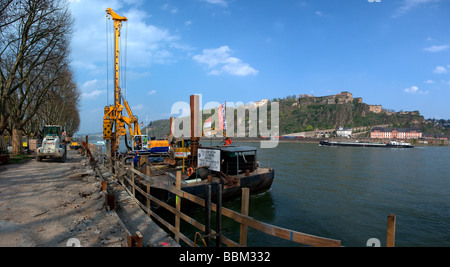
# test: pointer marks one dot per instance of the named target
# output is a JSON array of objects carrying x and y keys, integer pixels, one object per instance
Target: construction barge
[
  {"x": 232, "y": 167},
  {"x": 390, "y": 144}
]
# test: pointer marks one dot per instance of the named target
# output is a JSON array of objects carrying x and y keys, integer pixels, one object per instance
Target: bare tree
[
  {"x": 40, "y": 37},
  {"x": 60, "y": 105},
  {"x": 33, "y": 60},
  {"x": 7, "y": 12}
]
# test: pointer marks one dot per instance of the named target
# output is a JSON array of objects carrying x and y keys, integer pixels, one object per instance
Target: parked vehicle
[{"x": 53, "y": 144}]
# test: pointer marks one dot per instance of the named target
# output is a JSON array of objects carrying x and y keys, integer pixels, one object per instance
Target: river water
[{"x": 346, "y": 193}]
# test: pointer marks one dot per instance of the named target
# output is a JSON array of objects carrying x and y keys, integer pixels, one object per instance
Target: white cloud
[
  {"x": 223, "y": 3},
  {"x": 93, "y": 95},
  {"x": 440, "y": 70},
  {"x": 133, "y": 75},
  {"x": 134, "y": 2},
  {"x": 152, "y": 92},
  {"x": 412, "y": 89},
  {"x": 146, "y": 43},
  {"x": 428, "y": 82},
  {"x": 408, "y": 5},
  {"x": 321, "y": 14},
  {"x": 169, "y": 8},
  {"x": 220, "y": 61},
  {"x": 90, "y": 89},
  {"x": 89, "y": 45},
  {"x": 89, "y": 84},
  {"x": 138, "y": 107},
  {"x": 437, "y": 48},
  {"x": 415, "y": 90}
]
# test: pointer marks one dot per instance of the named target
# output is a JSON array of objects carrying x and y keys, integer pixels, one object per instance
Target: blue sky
[{"x": 395, "y": 53}]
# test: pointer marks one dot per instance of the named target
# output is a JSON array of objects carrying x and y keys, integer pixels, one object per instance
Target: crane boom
[{"x": 113, "y": 117}]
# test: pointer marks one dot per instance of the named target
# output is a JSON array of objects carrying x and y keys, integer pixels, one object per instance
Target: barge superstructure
[{"x": 390, "y": 144}]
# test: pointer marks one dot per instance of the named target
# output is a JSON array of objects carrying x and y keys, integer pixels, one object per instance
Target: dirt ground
[{"x": 48, "y": 203}]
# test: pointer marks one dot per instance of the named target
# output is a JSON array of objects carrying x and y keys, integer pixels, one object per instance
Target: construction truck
[
  {"x": 53, "y": 144},
  {"x": 75, "y": 145}
]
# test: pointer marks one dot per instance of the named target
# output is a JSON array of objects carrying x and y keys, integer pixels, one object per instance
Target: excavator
[{"x": 114, "y": 121}]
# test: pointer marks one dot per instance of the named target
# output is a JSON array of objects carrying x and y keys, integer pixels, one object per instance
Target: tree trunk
[
  {"x": 3, "y": 146},
  {"x": 17, "y": 141}
]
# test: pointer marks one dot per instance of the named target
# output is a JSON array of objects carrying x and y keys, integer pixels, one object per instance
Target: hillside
[
  {"x": 158, "y": 129},
  {"x": 298, "y": 117},
  {"x": 309, "y": 113}
]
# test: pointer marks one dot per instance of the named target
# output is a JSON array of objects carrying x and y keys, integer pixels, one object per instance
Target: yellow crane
[{"x": 113, "y": 120}]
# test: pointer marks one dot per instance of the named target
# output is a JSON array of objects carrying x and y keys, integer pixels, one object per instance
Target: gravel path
[{"x": 46, "y": 204}]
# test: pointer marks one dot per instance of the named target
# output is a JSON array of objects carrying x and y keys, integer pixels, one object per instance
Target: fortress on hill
[{"x": 338, "y": 99}]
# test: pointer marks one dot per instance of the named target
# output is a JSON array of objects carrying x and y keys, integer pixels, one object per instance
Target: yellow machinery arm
[
  {"x": 114, "y": 15},
  {"x": 131, "y": 120},
  {"x": 113, "y": 114}
]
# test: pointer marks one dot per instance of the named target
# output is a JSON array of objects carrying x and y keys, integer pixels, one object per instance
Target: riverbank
[{"x": 307, "y": 140}]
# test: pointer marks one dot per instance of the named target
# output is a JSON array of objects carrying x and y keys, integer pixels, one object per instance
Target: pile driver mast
[{"x": 113, "y": 120}]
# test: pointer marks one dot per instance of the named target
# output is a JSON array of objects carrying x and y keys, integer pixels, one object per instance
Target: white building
[
  {"x": 261, "y": 103},
  {"x": 344, "y": 132}
]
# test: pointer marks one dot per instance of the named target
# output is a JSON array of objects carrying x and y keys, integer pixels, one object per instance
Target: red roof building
[{"x": 396, "y": 133}]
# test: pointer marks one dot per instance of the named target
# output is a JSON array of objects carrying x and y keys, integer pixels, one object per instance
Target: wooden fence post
[
  {"x": 132, "y": 180},
  {"x": 208, "y": 214},
  {"x": 104, "y": 186},
  {"x": 390, "y": 240},
  {"x": 135, "y": 241},
  {"x": 219, "y": 215},
  {"x": 178, "y": 206},
  {"x": 244, "y": 211},
  {"x": 87, "y": 146},
  {"x": 148, "y": 197}
]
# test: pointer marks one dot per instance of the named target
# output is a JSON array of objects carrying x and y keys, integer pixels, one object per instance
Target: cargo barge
[
  {"x": 391, "y": 144},
  {"x": 233, "y": 167}
]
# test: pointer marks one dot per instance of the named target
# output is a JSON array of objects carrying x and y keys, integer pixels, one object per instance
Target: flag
[
  {"x": 207, "y": 124},
  {"x": 222, "y": 118},
  {"x": 207, "y": 127}
]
